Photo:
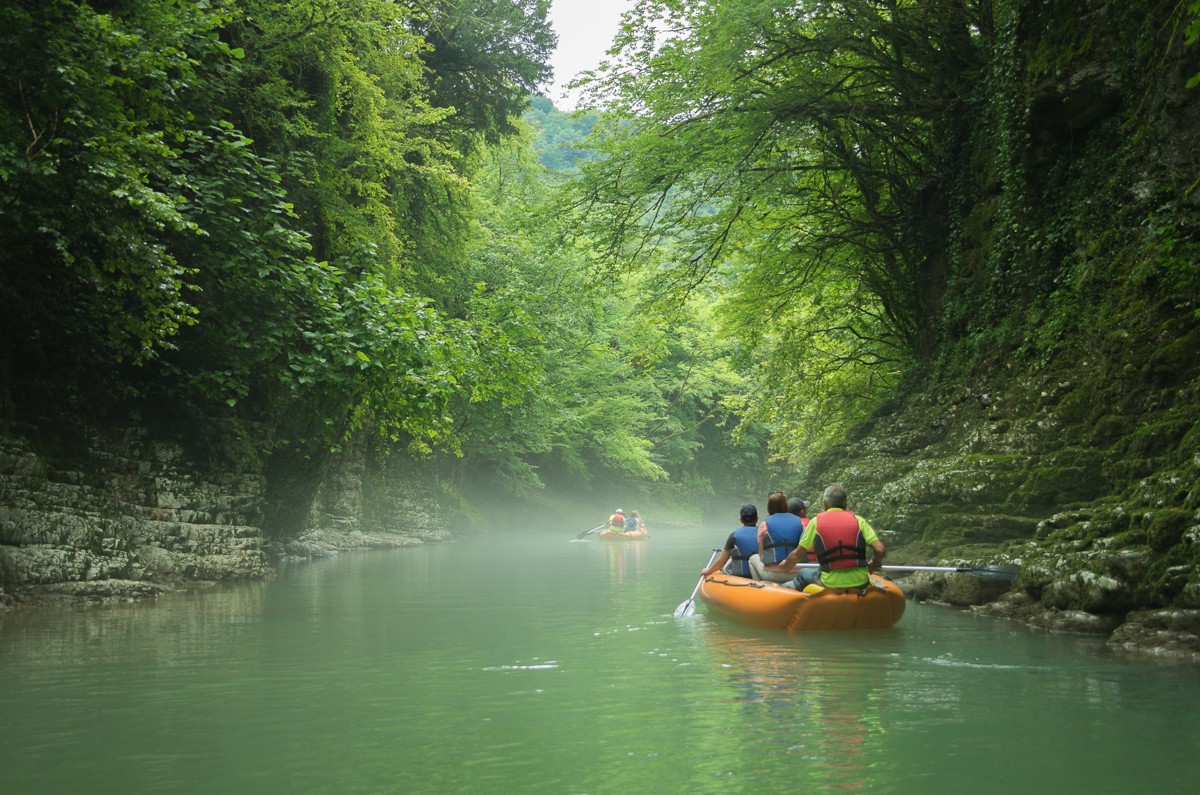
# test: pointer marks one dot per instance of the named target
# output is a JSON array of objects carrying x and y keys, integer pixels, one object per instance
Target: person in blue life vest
[
  {"x": 841, "y": 541},
  {"x": 633, "y": 522},
  {"x": 741, "y": 544},
  {"x": 800, "y": 508},
  {"x": 778, "y": 535}
]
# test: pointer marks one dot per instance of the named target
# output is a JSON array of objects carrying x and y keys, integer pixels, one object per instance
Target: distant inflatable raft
[
  {"x": 632, "y": 535},
  {"x": 771, "y": 606}
]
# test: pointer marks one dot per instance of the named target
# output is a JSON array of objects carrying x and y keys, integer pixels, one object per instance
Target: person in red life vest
[
  {"x": 840, "y": 540},
  {"x": 800, "y": 508},
  {"x": 741, "y": 544},
  {"x": 778, "y": 535},
  {"x": 616, "y": 522}
]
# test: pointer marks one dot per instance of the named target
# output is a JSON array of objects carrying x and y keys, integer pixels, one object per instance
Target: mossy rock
[
  {"x": 1166, "y": 528},
  {"x": 1129, "y": 468},
  {"x": 1167, "y": 488},
  {"x": 1082, "y": 406},
  {"x": 1090, "y": 592},
  {"x": 1058, "y": 485},
  {"x": 1129, "y": 538},
  {"x": 951, "y": 527},
  {"x": 1165, "y": 583},
  {"x": 961, "y": 590},
  {"x": 1108, "y": 430},
  {"x": 1071, "y": 536},
  {"x": 1174, "y": 362},
  {"x": 1112, "y": 523},
  {"x": 1158, "y": 439},
  {"x": 961, "y": 481}
]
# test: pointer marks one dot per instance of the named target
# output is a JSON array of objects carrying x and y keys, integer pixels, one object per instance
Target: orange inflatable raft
[
  {"x": 632, "y": 535},
  {"x": 766, "y": 604}
]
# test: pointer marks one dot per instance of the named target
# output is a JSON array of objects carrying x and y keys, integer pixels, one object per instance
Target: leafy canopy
[{"x": 789, "y": 153}]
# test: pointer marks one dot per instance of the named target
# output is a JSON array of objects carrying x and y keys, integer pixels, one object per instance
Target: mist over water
[{"x": 526, "y": 662}]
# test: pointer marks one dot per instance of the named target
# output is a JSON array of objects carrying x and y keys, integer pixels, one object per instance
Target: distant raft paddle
[{"x": 586, "y": 533}]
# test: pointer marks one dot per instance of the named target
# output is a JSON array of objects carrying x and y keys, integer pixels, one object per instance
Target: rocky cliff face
[
  {"x": 1105, "y": 526},
  {"x": 126, "y": 515},
  {"x": 1058, "y": 425}
]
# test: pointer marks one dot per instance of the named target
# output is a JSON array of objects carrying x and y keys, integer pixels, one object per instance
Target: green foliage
[
  {"x": 1169, "y": 265},
  {"x": 333, "y": 92},
  {"x": 485, "y": 60},
  {"x": 565, "y": 337},
  {"x": 819, "y": 372},
  {"x": 793, "y": 154},
  {"x": 1059, "y": 249},
  {"x": 97, "y": 112},
  {"x": 612, "y": 391},
  {"x": 561, "y": 136},
  {"x": 1192, "y": 34},
  {"x": 330, "y": 218},
  {"x": 238, "y": 198}
]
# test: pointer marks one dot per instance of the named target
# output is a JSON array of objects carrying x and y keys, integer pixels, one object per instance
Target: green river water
[{"x": 536, "y": 664}]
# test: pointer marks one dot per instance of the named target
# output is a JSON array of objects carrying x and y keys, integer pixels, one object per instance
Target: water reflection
[
  {"x": 624, "y": 560},
  {"x": 515, "y": 665},
  {"x": 174, "y": 627},
  {"x": 823, "y": 709}
]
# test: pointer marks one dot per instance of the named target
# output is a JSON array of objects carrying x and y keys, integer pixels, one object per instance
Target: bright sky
[{"x": 585, "y": 30}]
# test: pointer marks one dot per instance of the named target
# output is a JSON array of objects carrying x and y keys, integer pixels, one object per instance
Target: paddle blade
[
  {"x": 1008, "y": 573},
  {"x": 686, "y": 608}
]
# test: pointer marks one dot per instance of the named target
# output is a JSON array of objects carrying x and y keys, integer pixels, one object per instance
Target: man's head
[
  {"x": 798, "y": 506},
  {"x": 748, "y": 514},
  {"x": 835, "y": 496}
]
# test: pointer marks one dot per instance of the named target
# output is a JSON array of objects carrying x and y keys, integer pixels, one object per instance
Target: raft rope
[{"x": 750, "y": 584}]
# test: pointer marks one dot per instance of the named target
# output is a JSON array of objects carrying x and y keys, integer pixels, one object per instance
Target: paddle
[
  {"x": 586, "y": 533},
  {"x": 689, "y": 607},
  {"x": 986, "y": 572}
]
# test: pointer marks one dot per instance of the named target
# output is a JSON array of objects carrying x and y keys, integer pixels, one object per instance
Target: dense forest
[
  {"x": 327, "y": 220},
  {"x": 945, "y": 252}
]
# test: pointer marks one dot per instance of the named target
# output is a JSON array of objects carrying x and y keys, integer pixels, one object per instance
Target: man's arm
[
  {"x": 794, "y": 557},
  {"x": 878, "y": 550},
  {"x": 717, "y": 564}
]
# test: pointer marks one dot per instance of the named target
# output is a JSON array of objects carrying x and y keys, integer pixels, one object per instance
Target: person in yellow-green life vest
[{"x": 841, "y": 541}]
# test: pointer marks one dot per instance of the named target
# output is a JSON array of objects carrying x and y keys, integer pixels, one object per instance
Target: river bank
[
  {"x": 135, "y": 516},
  {"x": 124, "y": 514}
]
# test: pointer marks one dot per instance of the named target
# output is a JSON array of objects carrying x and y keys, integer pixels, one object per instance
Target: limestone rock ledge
[
  {"x": 128, "y": 516},
  {"x": 1164, "y": 633},
  {"x": 1073, "y": 602},
  {"x": 328, "y": 542}
]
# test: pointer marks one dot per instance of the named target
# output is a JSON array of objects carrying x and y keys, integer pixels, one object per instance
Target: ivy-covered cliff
[
  {"x": 1058, "y": 424},
  {"x": 961, "y": 242}
]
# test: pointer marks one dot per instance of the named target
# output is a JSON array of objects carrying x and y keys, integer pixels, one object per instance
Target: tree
[
  {"x": 615, "y": 392},
  {"x": 797, "y": 152},
  {"x": 486, "y": 58},
  {"x": 101, "y": 111}
]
